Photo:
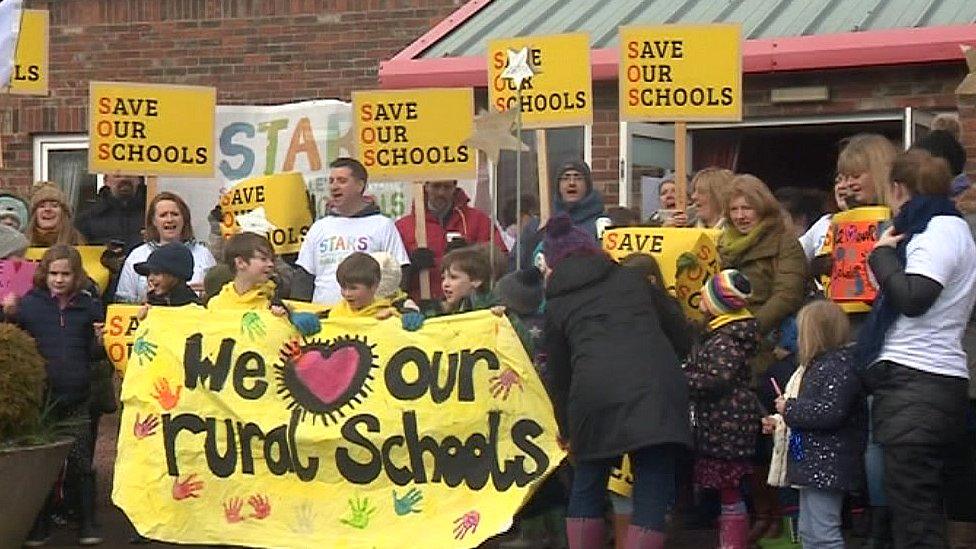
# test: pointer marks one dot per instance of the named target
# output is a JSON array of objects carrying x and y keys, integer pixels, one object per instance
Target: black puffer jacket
[
  {"x": 65, "y": 338},
  {"x": 616, "y": 382},
  {"x": 112, "y": 219},
  {"x": 912, "y": 407},
  {"x": 726, "y": 411},
  {"x": 829, "y": 425}
]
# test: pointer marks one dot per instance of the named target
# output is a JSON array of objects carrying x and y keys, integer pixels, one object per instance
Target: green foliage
[{"x": 22, "y": 379}]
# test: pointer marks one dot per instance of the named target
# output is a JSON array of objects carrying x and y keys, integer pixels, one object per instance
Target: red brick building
[{"x": 879, "y": 71}]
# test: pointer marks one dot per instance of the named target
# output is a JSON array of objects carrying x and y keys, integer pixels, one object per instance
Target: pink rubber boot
[
  {"x": 586, "y": 533},
  {"x": 733, "y": 531}
]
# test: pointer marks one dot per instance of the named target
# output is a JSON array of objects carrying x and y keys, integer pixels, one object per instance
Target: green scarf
[{"x": 733, "y": 244}]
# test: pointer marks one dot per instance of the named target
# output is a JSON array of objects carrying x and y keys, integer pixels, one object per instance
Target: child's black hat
[{"x": 173, "y": 258}]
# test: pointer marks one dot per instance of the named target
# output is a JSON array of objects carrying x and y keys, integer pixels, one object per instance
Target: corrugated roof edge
[{"x": 796, "y": 53}]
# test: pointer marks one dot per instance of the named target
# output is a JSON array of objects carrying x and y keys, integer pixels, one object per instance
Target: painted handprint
[
  {"x": 232, "y": 510},
  {"x": 186, "y": 488},
  {"x": 146, "y": 427},
  {"x": 165, "y": 395},
  {"x": 466, "y": 523},
  {"x": 408, "y": 503},
  {"x": 361, "y": 513},
  {"x": 261, "y": 505},
  {"x": 143, "y": 348},
  {"x": 252, "y": 325},
  {"x": 304, "y": 519},
  {"x": 501, "y": 385}
]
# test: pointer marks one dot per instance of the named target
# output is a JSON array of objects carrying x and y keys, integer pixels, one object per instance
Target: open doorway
[{"x": 796, "y": 156}]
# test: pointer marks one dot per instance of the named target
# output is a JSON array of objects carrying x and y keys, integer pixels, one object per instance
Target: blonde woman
[
  {"x": 710, "y": 189},
  {"x": 50, "y": 218}
]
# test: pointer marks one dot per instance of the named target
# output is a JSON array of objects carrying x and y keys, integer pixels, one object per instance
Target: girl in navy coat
[
  {"x": 66, "y": 321},
  {"x": 826, "y": 412}
]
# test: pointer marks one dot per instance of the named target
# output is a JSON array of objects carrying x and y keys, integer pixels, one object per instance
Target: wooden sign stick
[
  {"x": 680, "y": 169},
  {"x": 542, "y": 159},
  {"x": 152, "y": 188},
  {"x": 420, "y": 233}
]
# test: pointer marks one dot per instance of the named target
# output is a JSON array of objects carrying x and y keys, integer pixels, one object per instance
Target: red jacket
[{"x": 473, "y": 226}]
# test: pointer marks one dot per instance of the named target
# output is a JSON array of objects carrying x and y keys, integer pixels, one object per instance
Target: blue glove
[
  {"x": 307, "y": 323},
  {"x": 412, "y": 321}
]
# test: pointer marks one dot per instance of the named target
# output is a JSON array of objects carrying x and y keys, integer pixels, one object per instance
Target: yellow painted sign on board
[
  {"x": 681, "y": 72},
  {"x": 237, "y": 431},
  {"x": 151, "y": 129},
  {"x": 91, "y": 261},
  {"x": 272, "y": 204},
  {"x": 30, "y": 76},
  {"x": 559, "y": 94},
  {"x": 412, "y": 135},
  {"x": 687, "y": 257}
]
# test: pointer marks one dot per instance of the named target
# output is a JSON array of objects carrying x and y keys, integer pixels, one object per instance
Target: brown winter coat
[{"x": 777, "y": 269}]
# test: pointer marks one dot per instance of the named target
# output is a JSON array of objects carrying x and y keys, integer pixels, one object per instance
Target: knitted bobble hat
[
  {"x": 563, "y": 239},
  {"x": 726, "y": 292}
]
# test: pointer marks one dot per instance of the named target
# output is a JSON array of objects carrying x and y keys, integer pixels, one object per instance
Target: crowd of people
[{"x": 774, "y": 415}]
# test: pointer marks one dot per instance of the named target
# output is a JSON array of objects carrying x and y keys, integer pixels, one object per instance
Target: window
[{"x": 63, "y": 159}]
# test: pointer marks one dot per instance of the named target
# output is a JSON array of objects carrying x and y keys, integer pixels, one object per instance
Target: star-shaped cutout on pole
[
  {"x": 493, "y": 134},
  {"x": 518, "y": 70},
  {"x": 968, "y": 85}
]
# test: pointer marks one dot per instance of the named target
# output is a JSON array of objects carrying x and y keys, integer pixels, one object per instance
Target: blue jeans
[
  {"x": 653, "y": 468},
  {"x": 820, "y": 518}
]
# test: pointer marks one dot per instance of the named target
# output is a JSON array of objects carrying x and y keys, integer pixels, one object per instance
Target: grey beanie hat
[
  {"x": 521, "y": 291},
  {"x": 11, "y": 241}
]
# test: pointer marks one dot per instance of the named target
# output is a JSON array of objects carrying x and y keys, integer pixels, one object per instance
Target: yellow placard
[
  {"x": 683, "y": 275},
  {"x": 122, "y": 321},
  {"x": 413, "y": 135},
  {"x": 236, "y": 431},
  {"x": 91, "y": 260},
  {"x": 559, "y": 94},
  {"x": 30, "y": 76},
  {"x": 681, "y": 72},
  {"x": 151, "y": 129},
  {"x": 275, "y": 202}
]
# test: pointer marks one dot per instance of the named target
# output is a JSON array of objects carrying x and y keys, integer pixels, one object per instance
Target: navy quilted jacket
[
  {"x": 65, "y": 338},
  {"x": 828, "y": 420}
]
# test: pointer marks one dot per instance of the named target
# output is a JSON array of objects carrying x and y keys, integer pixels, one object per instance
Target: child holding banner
[
  {"x": 359, "y": 276},
  {"x": 252, "y": 258},
  {"x": 168, "y": 269},
  {"x": 66, "y": 321},
  {"x": 724, "y": 409}
]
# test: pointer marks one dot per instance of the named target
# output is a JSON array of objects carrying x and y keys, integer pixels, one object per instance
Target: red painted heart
[{"x": 327, "y": 377}]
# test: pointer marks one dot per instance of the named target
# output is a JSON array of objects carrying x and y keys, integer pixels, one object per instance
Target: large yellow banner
[
  {"x": 415, "y": 135},
  {"x": 687, "y": 257},
  {"x": 151, "y": 129},
  {"x": 681, "y": 72},
  {"x": 559, "y": 94},
  {"x": 235, "y": 431},
  {"x": 30, "y": 76},
  {"x": 271, "y": 203}
]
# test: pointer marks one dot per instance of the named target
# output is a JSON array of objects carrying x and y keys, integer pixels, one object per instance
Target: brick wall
[
  {"x": 851, "y": 91},
  {"x": 253, "y": 51}
]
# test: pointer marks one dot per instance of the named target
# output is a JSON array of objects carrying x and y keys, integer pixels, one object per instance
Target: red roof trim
[
  {"x": 795, "y": 53},
  {"x": 441, "y": 30}
]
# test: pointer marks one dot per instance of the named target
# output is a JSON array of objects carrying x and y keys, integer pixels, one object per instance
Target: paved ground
[{"x": 115, "y": 528}]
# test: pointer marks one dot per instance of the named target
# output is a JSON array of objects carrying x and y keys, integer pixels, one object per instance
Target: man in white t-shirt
[{"x": 353, "y": 224}]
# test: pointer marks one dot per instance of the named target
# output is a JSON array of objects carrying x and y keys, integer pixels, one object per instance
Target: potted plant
[{"x": 31, "y": 449}]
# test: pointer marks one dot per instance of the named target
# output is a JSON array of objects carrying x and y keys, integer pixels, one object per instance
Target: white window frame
[{"x": 43, "y": 144}]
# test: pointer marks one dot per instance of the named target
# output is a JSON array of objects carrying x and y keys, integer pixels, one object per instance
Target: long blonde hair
[
  {"x": 716, "y": 183},
  {"x": 869, "y": 153},
  {"x": 820, "y": 326}
]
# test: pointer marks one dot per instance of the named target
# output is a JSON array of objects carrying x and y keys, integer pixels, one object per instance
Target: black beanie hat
[
  {"x": 173, "y": 258},
  {"x": 521, "y": 291}
]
